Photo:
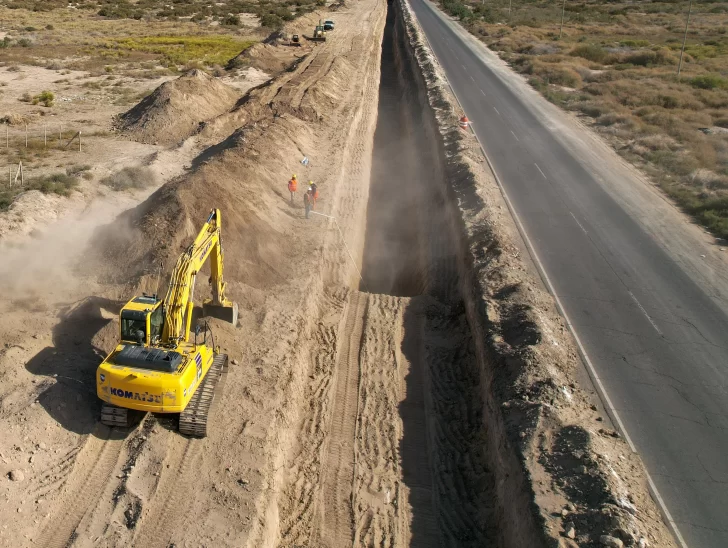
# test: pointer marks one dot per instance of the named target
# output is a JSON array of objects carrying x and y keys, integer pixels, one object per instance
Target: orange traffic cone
[{"x": 464, "y": 122}]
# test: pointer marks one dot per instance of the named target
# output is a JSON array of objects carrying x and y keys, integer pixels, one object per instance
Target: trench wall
[{"x": 459, "y": 251}]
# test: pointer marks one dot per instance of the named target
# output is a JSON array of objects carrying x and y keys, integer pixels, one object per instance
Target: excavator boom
[{"x": 178, "y": 302}]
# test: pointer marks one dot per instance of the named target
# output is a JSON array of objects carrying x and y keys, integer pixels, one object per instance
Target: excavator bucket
[{"x": 221, "y": 312}]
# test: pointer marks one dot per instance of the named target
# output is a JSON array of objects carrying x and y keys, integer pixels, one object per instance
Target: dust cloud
[
  {"x": 405, "y": 217},
  {"x": 50, "y": 264}
]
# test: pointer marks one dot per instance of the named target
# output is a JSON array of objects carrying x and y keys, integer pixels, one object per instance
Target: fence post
[
  {"x": 79, "y": 141},
  {"x": 26, "y": 135},
  {"x": 10, "y": 176},
  {"x": 7, "y": 136}
]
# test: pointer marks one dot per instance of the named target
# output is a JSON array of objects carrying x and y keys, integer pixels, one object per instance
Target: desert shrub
[
  {"x": 271, "y": 21},
  {"x": 553, "y": 74},
  {"x": 24, "y": 42},
  {"x": 457, "y": 9},
  {"x": 648, "y": 58},
  {"x": 44, "y": 98},
  {"x": 591, "y": 52},
  {"x": 721, "y": 122},
  {"x": 231, "y": 21},
  {"x": 58, "y": 183},
  {"x": 77, "y": 169},
  {"x": 592, "y": 109},
  {"x": 129, "y": 178},
  {"x": 634, "y": 43},
  {"x": 709, "y": 81}
]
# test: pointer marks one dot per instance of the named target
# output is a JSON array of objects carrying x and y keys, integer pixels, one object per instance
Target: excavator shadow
[{"x": 69, "y": 366}]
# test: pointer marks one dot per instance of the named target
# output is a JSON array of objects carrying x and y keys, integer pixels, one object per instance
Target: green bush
[
  {"x": 457, "y": 9},
  {"x": 231, "y": 21},
  {"x": 709, "y": 81},
  {"x": 271, "y": 21},
  {"x": 45, "y": 98}
]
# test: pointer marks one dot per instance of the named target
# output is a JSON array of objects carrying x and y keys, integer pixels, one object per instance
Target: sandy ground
[
  {"x": 93, "y": 112},
  {"x": 379, "y": 392}
]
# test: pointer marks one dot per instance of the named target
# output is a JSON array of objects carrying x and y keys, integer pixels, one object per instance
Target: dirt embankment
[
  {"x": 141, "y": 487},
  {"x": 175, "y": 110},
  {"x": 560, "y": 475}
]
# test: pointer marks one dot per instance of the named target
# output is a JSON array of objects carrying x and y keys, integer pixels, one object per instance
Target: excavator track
[
  {"x": 193, "y": 420},
  {"x": 111, "y": 415}
]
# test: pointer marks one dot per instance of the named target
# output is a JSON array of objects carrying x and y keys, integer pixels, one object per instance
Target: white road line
[
  {"x": 473, "y": 79},
  {"x": 496, "y": 111},
  {"x": 481, "y": 91},
  {"x": 463, "y": 66},
  {"x": 577, "y": 222},
  {"x": 645, "y": 313},
  {"x": 539, "y": 170},
  {"x": 516, "y": 136},
  {"x": 582, "y": 351}
]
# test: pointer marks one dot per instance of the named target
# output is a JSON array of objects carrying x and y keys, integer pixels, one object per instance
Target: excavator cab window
[
  {"x": 156, "y": 325},
  {"x": 131, "y": 328}
]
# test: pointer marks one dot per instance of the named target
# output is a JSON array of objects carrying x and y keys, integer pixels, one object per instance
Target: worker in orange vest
[
  {"x": 292, "y": 186},
  {"x": 307, "y": 199},
  {"x": 314, "y": 193}
]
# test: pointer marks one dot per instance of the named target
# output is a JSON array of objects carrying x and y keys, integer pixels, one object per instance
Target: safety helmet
[
  {"x": 293, "y": 176},
  {"x": 310, "y": 182}
]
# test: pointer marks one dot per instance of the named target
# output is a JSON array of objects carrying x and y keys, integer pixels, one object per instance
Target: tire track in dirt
[
  {"x": 377, "y": 487},
  {"x": 463, "y": 483},
  {"x": 338, "y": 465},
  {"x": 298, "y": 504},
  {"x": 92, "y": 469},
  {"x": 171, "y": 499}
]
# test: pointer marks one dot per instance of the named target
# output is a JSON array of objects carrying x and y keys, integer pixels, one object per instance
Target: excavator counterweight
[{"x": 157, "y": 366}]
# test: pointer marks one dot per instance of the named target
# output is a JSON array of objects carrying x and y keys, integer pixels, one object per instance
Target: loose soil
[{"x": 425, "y": 398}]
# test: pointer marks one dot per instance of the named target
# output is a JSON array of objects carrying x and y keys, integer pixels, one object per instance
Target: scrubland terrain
[{"x": 615, "y": 65}]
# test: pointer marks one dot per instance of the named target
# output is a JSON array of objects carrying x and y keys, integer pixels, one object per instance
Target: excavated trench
[
  {"x": 408, "y": 250},
  {"x": 411, "y": 251}
]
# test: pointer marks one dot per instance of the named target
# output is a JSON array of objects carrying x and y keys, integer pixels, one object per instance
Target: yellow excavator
[{"x": 157, "y": 367}]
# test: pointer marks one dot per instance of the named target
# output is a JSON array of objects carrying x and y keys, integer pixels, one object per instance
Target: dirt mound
[
  {"x": 176, "y": 109},
  {"x": 227, "y": 176}
]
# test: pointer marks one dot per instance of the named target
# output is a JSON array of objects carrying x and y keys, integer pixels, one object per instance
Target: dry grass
[
  {"x": 129, "y": 178},
  {"x": 78, "y": 39},
  {"x": 58, "y": 183},
  {"x": 616, "y": 65}
]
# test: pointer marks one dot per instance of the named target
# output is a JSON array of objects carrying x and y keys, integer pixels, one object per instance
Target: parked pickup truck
[{"x": 328, "y": 25}]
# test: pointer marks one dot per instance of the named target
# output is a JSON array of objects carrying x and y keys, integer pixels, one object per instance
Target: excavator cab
[{"x": 142, "y": 321}]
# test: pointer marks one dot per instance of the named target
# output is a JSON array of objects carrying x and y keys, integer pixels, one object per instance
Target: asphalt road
[{"x": 656, "y": 340}]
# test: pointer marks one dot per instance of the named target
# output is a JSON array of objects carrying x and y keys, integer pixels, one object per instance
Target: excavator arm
[{"x": 178, "y": 303}]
